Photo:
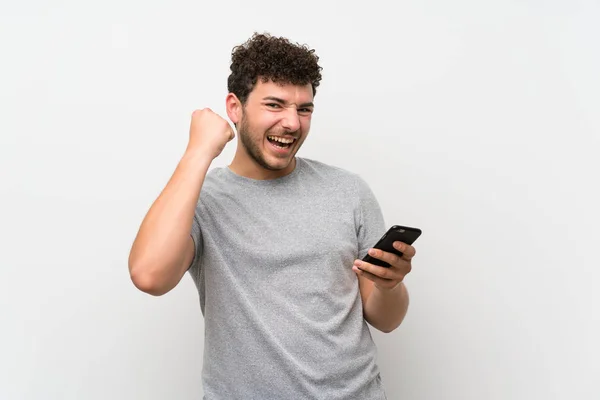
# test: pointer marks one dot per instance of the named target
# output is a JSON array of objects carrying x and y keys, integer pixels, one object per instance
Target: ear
[{"x": 233, "y": 106}]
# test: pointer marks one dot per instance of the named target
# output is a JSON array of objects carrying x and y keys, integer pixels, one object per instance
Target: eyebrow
[{"x": 278, "y": 100}]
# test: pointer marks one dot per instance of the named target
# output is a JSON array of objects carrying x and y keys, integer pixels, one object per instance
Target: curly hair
[{"x": 271, "y": 58}]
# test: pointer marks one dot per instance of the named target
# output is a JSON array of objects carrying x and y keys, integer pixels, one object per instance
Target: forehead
[{"x": 286, "y": 91}]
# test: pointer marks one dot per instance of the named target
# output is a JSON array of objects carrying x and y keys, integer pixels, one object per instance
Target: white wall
[{"x": 478, "y": 122}]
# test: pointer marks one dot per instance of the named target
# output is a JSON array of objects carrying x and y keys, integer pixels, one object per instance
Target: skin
[
  {"x": 163, "y": 247},
  {"x": 286, "y": 110},
  {"x": 270, "y": 109},
  {"x": 384, "y": 295}
]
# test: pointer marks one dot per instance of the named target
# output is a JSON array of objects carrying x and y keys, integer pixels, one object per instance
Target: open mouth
[{"x": 281, "y": 143}]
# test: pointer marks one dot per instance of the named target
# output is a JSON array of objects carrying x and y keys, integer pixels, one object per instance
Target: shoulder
[
  {"x": 329, "y": 170},
  {"x": 211, "y": 180},
  {"x": 335, "y": 175},
  {"x": 216, "y": 184}
]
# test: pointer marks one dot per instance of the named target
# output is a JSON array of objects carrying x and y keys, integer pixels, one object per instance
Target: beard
[{"x": 246, "y": 136}]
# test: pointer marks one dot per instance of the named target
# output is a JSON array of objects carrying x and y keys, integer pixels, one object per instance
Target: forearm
[
  {"x": 385, "y": 309},
  {"x": 158, "y": 252}
]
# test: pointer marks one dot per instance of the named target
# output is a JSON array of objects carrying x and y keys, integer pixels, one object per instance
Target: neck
[{"x": 244, "y": 165}]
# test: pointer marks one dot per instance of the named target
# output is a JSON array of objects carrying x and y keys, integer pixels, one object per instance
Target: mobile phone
[{"x": 396, "y": 233}]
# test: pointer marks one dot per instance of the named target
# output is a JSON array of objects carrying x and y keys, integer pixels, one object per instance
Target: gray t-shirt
[{"x": 281, "y": 304}]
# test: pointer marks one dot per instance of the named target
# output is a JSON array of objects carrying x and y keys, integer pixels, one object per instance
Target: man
[{"x": 272, "y": 243}]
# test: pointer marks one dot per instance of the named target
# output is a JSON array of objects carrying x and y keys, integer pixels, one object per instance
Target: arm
[
  {"x": 164, "y": 248},
  {"x": 384, "y": 309},
  {"x": 384, "y": 296},
  {"x": 382, "y": 290}
]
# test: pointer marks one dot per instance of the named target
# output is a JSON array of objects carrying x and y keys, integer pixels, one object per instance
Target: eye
[
  {"x": 305, "y": 110},
  {"x": 273, "y": 105}
]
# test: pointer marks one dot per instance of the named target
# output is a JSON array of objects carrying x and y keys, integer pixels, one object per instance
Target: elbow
[
  {"x": 391, "y": 326},
  {"x": 386, "y": 325},
  {"x": 147, "y": 282},
  {"x": 387, "y": 328},
  {"x": 381, "y": 326},
  {"x": 147, "y": 285}
]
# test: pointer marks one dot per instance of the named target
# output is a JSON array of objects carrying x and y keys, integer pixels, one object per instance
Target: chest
[{"x": 306, "y": 233}]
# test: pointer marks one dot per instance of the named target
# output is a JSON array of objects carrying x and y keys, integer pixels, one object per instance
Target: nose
[{"x": 291, "y": 121}]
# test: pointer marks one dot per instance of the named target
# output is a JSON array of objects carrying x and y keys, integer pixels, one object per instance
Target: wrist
[
  {"x": 196, "y": 159},
  {"x": 388, "y": 289}
]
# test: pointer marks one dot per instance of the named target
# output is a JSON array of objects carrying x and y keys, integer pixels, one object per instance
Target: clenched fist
[{"x": 209, "y": 132}]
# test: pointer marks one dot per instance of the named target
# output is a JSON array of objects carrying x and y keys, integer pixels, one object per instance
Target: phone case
[{"x": 396, "y": 233}]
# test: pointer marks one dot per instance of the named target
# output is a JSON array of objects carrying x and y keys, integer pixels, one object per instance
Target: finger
[
  {"x": 408, "y": 251},
  {"x": 400, "y": 264},
  {"x": 388, "y": 257},
  {"x": 381, "y": 282},
  {"x": 381, "y": 272}
]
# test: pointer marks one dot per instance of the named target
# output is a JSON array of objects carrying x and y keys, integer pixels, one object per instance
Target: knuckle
[{"x": 385, "y": 274}]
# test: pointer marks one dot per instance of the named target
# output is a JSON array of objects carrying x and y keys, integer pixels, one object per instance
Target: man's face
[{"x": 275, "y": 113}]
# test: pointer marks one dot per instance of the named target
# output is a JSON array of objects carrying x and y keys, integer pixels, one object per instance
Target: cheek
[
  {"x": 266, "y": 123},
  {"x": 305, "y": 125},
  {"x": 258, "y": 123}
]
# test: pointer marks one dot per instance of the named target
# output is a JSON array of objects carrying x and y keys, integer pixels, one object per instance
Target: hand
[
  {"x": 387, "y": 278},
  {"x": 209, "y": 132}
]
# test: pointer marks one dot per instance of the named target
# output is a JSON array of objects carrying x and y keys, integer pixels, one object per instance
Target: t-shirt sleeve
[
  {"x": 196, "y": 234},
  {"x": 371, "y": 224}
]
